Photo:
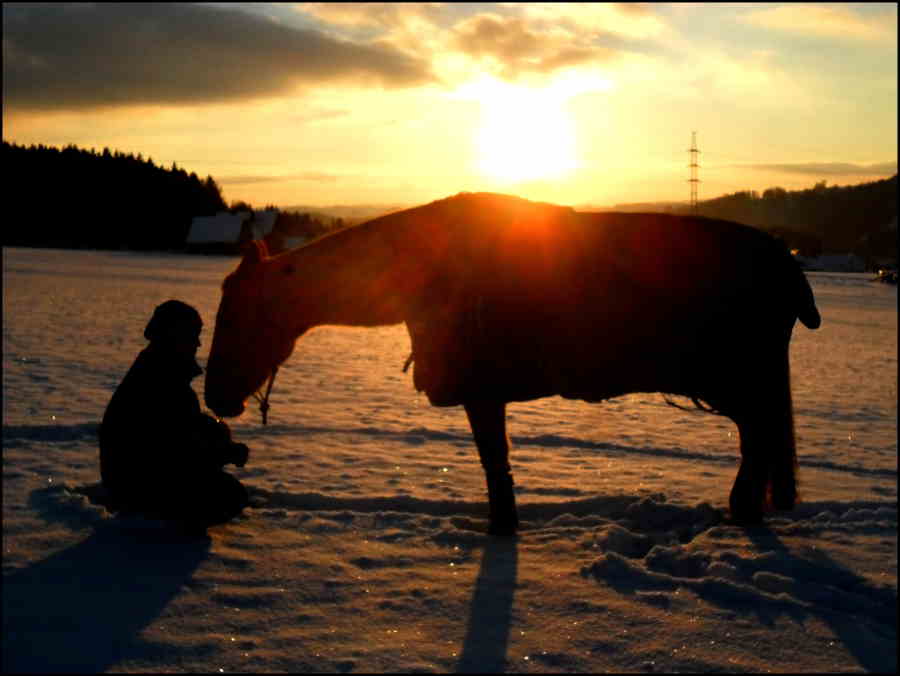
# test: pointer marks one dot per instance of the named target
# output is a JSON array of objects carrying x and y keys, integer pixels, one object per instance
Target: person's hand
[
  {"x": 222, "y": 432},
  {"x": 239, "y": 454},
  {"x": 213, "y": 431}
]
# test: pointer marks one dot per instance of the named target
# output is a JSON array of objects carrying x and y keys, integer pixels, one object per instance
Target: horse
[{"x": 507, "y": 299}]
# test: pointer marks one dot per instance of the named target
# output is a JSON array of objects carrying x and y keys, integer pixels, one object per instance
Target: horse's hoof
[
  {"x": 746, "y": 518},
  {"x": 784, "y": 501}
]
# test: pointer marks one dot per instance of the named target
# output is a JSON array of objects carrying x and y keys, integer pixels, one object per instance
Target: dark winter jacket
[{"x": 153, "y": 433}]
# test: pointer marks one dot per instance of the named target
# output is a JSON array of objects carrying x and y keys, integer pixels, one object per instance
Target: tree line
[
  {"x": 296, "y": 224},
  {"x": 288, "y": 225},
  {"x": 821, "y": 219},
  {"x": 76, "y": 198}
]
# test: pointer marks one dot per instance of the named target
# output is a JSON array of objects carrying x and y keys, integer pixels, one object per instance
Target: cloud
[
  {"x": 828, "y": 168},
  {"x": 381, "y": 14},
  {"x": 517, "y": 47},
  {"x": 627, "y": 20},
  {"x": 416, "y": 29},
  {"x": 109, "y": 54},
  {"x": 314, "y": 176},
  {"x": 319, "y": 115},
  {"x": 508, "y": 40},
  {"x": 831, "y": 21}
]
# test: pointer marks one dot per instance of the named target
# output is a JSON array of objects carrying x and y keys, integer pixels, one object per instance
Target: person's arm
[{"x": 213, "y": 441}]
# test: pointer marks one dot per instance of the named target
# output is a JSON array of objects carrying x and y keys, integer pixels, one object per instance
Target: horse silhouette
[{"x": 507, "y": 299}]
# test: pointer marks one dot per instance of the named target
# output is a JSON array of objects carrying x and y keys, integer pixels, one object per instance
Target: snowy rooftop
[{"x": 223, "y": 227}]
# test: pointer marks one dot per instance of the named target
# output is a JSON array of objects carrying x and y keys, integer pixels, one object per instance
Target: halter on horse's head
[{"x": 248, "y": 344}]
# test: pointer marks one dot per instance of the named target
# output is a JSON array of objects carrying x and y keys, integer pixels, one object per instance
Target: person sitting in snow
[{"x": 160, "y": 455}]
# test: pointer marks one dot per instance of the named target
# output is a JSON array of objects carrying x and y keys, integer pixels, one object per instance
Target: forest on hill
[
  {"x": 861, "y": 219},
  {"x": 76, "y": 198}
]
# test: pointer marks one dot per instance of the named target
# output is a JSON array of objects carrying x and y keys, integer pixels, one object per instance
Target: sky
[{"x": 399, "y": 104}]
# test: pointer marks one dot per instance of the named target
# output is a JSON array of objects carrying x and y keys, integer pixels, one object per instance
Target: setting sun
[
  {"x": 390, "y": 104},
  {"x": 525, "y": 134}
]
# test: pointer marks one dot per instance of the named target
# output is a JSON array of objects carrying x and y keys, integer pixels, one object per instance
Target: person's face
[{"x": 184, "y": 340}]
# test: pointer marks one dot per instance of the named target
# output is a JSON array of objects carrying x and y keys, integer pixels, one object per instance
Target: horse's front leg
[{"x": 488, "y": 422}]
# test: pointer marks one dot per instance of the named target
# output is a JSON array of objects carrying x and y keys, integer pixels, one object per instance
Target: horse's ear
[{"x": 254, "y": 251}]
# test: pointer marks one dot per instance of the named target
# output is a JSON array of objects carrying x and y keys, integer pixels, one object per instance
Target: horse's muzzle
[{"x": 224, "y": 410}]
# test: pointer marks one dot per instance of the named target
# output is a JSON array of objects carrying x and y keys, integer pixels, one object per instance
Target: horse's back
[
  {"x": 630, "y": 272},
  {"x": 593, "y": 305}
]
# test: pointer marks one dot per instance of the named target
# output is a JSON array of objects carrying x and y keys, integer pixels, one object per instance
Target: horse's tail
[
  {"x": 781, "y": 486},
  {"x": 782, "y": 480}
]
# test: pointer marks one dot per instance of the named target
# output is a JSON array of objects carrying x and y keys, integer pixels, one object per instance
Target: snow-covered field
[{"x": 365, "y": 550}]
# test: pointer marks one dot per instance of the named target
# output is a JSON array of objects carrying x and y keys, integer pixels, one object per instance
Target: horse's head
[{"x": 249, "y": 342}]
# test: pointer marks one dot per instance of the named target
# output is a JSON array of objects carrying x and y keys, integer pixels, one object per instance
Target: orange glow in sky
[{"x": 403, "y": 103}]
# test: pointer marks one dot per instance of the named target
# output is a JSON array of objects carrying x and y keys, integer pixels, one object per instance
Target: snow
[{"x": 365, "y": 548}]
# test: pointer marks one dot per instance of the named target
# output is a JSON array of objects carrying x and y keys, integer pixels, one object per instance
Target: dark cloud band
[
  {"x": 63, "y": 56},
  {"x": 314, "y": 176},
  {"x": 828, "y": 168}
]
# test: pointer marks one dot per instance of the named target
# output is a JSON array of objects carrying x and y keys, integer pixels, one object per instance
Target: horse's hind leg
[
  {"x": 488, "y": 422},
  {"x": 767, "y": 477}
]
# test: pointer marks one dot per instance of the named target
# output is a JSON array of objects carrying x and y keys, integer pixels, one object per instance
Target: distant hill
[
  {"x": 858, "y": 218},
  {"x": 633, "y": 207},
  {"x": 354, "y": 213}
]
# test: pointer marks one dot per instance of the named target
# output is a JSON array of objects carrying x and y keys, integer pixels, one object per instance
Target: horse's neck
[{"x": 350, "y": 278}]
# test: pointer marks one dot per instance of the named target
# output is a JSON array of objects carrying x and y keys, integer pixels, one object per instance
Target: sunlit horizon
[{"x": 377, "y": 103}]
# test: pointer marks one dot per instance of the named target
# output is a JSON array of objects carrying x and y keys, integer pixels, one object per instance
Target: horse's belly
[{"x": 589, "y": 343}]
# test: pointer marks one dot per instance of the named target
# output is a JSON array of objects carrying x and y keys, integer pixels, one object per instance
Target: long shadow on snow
[
  {"x": 490, "y": 615},
  {"x": 19, "y": 435},
  {"x": 419, "y": 435},
  {"x": 861, "y": 614},
  {"x": 82, "y": 609},
  {"x": 851, "y": 609},
  {"x": 611, "y": 507}
]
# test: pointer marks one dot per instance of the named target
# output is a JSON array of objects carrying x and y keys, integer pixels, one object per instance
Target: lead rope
[{"x": 264, "y": 400}]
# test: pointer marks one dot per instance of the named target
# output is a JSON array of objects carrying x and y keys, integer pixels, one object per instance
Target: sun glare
[{"x": 525, "y": 134}]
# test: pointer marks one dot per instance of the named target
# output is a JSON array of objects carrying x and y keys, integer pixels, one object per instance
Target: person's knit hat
[{"x": 169, "y": 315}]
